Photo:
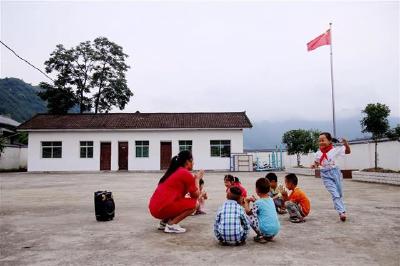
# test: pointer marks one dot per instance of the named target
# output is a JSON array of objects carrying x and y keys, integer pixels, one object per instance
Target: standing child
[
  {"x": 262, "y": 215},
  {"x": 202, "y": 198},
  {"x": 231, "y": 226},
  {"x": 330, "y": 172},
  {"x": 275, "y": 193},
  {"x": 297, "y": 204}
]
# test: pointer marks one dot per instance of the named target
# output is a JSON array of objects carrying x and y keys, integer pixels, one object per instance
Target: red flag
[{"x": 323, "y": 39}]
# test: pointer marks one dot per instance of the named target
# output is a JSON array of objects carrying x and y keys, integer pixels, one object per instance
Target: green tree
[
  {"x": 300, "y": 141},
  {"x": 23, "y": 138},
  {"x": 375, "y": 121},
  {"x": 88, "y": 75},
  {"x": 109, "y": 76},
  {"x": 59, "y": 99}
]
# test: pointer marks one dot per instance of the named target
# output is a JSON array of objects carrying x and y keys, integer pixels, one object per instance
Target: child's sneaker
[
  {"x": 297, "y": 220},
  {"x": 162, "y": 225},
  {"x": 174, "y": 228},
  {"x": 260, "y": 239},
  {"x": 241, "y": 243}
]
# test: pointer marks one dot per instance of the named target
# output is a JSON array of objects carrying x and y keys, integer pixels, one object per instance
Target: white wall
[
  {"x": 71, "y": 160},
  {"x": 361, "y": 157},
  {"x": 13, "y": 158},
  {"x": 306, "y": 160},
  {"x": 23, "y": 157}
]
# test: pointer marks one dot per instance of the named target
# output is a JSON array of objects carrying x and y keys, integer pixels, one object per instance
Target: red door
[
  {"x": 123, "y": 155},
  {"x": 166, "y": 154},
  {"x": 105, "y": 156}
]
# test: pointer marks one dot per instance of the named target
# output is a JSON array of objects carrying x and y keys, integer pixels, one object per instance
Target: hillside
[{"x": 19, "y": 100}]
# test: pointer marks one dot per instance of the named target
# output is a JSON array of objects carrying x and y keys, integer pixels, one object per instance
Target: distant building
[
  {"x": 132, "y": 141},
  {"x": 13, "y": 157},
  {"x": 8, "y": 129}
]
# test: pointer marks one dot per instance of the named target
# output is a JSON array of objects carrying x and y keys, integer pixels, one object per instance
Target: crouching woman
[{"x": 168, "y": 202}]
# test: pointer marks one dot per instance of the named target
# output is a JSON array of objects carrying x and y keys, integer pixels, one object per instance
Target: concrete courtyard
[{"x": 48, "y": 219}]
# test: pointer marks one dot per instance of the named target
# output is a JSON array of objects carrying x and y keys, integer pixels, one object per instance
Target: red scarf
[{"x": 324, "y": 151}]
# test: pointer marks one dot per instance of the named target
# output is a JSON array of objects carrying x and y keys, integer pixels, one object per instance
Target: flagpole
[{"x": 332, "y": 83}]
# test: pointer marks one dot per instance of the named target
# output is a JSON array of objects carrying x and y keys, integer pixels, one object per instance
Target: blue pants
[{"x": 332, "y": 179}]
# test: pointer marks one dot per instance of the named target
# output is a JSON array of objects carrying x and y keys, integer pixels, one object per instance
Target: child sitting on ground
[
  {"x": 231, "y": 226},
  {"x": 231, "y": 181},
  {"x": 202, "y": 198},
  {"x": 297, "y": 204},
  {"x": 262, "y": 215},
  {"x": 275, "y": 193}
]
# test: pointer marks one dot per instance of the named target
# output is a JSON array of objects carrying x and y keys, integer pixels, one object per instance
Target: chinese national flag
[{"x": 323, "y": 39}]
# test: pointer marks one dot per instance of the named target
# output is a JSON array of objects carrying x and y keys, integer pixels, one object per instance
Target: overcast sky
[{"x": 224, "y": 56}]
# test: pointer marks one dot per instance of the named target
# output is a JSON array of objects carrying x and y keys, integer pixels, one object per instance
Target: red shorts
[{"x": 174, "y": 209}]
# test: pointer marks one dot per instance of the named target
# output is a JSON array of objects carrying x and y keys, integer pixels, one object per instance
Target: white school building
[{"x": 132, "y": 141}]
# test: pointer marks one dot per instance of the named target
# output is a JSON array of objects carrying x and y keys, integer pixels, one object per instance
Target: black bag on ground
[{"x": 104, "y": 205}]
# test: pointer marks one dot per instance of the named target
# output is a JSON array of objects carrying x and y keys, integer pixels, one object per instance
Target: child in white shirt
[{"x": 330, "y": 173}]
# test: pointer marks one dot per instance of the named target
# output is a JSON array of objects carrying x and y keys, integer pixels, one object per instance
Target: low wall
[
  {"x": 347, "y": 174},
  {"x": 382, "y": 178},
  {"x": 361, "y": 157},
  {"x": 13, "y": 157},
  {"x": 301, "y": 171}
]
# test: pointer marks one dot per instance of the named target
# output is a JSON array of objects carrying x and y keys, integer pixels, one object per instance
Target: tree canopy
[
  {"x": 90, "y": 75},
  {"x": 375, "y": 120},
  {"x": 300, "y": 141}
]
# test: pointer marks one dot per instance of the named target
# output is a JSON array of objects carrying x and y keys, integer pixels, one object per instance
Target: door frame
[
  {"x": 127, "y": 155},
  {"x": 164, "y": 141},
  {"x": 106, "y": 142}
]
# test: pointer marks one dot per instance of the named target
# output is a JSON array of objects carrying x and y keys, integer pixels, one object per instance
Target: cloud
[{"x": 225, "y": 56}]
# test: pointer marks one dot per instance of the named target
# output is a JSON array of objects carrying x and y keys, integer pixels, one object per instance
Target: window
[
  {"x": 86, "y": 149},
  {"x": 220, "y": 148},
  {"x": 51, "y": 149},
  {"x": 142, "y": 148},
  {"x": 185, "y": 145}
]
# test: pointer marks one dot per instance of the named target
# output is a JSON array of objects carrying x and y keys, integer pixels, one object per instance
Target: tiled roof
[{"x": 137, "y": 121}]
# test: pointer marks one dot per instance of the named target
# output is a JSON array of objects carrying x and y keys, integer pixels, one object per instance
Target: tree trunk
[
  {"x": 100, "y": 86},
  {"x": 97, "y": 102},
  {"x": 298, "y": 159},
  {"x": 376, "y": 154},
  {"x": 98, "y": 99},
  {"x": 81, "y": 103}
]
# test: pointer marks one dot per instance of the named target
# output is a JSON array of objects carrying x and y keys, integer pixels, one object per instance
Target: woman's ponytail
[{"x": 176, "y": 162}]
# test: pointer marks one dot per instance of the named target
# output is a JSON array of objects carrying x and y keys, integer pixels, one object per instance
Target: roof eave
[{"x": 120, "y": 129}]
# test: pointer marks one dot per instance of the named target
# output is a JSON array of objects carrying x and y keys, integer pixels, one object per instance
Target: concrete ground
[{"x": 48, "y": 219}]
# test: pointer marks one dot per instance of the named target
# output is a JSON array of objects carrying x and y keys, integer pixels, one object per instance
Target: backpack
[{"x": 104, "y": 205}]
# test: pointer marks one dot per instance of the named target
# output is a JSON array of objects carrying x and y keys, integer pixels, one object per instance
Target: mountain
[
  {"x": 19, "y": 100},
  {"x": 267, "y": 134}
]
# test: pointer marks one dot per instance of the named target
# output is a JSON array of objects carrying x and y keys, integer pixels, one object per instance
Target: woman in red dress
[{"x": 168, "y": 202}]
